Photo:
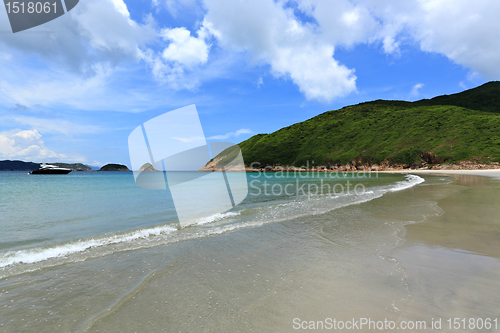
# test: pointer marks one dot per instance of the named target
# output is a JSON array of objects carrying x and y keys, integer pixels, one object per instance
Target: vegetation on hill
[
  {"x": 114, "y": 167},
  {"x": 73, "y": 166},
  {"x": 448, "y": 128},
  {"x": 482, "y": 98},
  {"x": 18, "y": 166}
]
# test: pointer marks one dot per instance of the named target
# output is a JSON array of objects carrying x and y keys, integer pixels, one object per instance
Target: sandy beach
[{"x": 410, "y": 253}]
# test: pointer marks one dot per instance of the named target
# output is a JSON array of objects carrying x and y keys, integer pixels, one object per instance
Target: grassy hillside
[{"x": 443, "y": 129}]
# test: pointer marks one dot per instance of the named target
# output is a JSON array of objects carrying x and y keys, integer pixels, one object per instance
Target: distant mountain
[
  {"x": 450, "y": 128},
  {"x": 114, "y": 167},
  {"x": 18, "y": 166},
  {"x": 73, "y": 166},
  {"x": 30, "y": 166}
]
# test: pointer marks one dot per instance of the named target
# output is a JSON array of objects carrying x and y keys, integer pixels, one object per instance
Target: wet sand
[{"x": 452, "y": 260}]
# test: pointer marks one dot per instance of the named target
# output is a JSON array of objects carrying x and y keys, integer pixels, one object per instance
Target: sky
[{"x": 73, "y": 89}]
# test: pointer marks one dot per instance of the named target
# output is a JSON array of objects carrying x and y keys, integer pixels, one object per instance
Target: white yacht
[{"x": 47, "y": 169}]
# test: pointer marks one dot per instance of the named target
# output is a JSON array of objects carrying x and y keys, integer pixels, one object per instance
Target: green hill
[
  {"x": 114, "y": 167},
  {"x": 73, "y": 166},
  {"x": 8, "y": 165},
  {"x": 449, "y": 128}
]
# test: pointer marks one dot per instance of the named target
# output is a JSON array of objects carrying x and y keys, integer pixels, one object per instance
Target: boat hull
[{"x": 50, "y": 172}]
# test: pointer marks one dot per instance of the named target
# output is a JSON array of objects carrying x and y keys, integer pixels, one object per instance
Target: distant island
[
  {"x": 147, "y": 167},
  {"x": 459, "y": 131},
  {"x": 114, "y": 167},
  {"x": 18, "y": 166},
  {"x": 8, "y": 165},
  {"x": 73, "y": 166}
]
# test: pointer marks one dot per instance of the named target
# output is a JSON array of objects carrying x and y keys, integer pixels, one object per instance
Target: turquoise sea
[{"x": 49, "y": 219}]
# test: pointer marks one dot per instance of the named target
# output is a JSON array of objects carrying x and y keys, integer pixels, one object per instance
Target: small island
[
  {"x": 114, "y": 167},
  {"x": 147, "y": 167}
]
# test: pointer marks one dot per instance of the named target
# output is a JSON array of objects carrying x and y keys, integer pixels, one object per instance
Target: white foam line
[
  {"x": 412, "y": 180},
  {"x": 214, "y": 218},
  {"x": 30, "y": 256}
]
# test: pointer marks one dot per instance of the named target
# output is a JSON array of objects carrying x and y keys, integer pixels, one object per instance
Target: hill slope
[
  {"x": 448, "y": 128},
  {"x": 73, "y": 166},
  {"x": 8, "y": 165}
]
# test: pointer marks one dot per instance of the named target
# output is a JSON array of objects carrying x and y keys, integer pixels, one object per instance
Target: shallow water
[{"x": 274, "y": 259}]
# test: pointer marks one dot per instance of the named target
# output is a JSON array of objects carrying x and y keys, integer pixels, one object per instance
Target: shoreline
[
  {"x": 492, "y": 173},
  {"x": 451, "y": 259}
]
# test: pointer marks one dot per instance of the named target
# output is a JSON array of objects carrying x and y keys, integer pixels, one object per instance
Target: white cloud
[
  {"x": 415, "y": 90},
  {"x": 184, "y": 54},
  {"x": 40, "y": 87},
  {"x": 341, "y": 22},
  {"x": 94, "y": 32},
  {"x": 183, "y": 48},
  {"x": 98, "y": 43},
  {"x": 230, "y": 134},
  {"x": 90, "y": 48},
  {"x": 214, "y": 137},
  {"x": 26, "y": 145},
  {"x": 54, "y": 125},
  {"x": 273, "y": 35},
  {"x": 177, "y": 6},
  {"x": 260, "y": 82},
  {"x": 468, "y": 33}
]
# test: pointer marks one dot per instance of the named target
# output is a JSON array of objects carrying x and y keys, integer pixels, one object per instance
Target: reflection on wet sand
[{"x": 451, "y": 260}]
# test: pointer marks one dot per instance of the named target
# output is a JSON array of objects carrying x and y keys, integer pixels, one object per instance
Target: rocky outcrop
[
  {"x": 147, "y": 167},
  {"x": 114, "y": 167},
  {"x": 215, "y": 165},
  {"x": 384, "y": 166}
]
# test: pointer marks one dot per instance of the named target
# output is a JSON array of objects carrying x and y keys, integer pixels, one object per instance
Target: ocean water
[
  {"x": 47, "y": 220},
  {"x": 93, "y": 252}
]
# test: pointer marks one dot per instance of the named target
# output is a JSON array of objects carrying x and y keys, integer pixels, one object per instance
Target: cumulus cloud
[
  {"x": 95, "y": 31},
  {"x": 87, "y": 49},
  {"x": 183, "y": 53},
  {"x": 184, "y": 48},
  {"x": 73, "y": 57},
  {"x": 273, "y": 35},
  {"x": 468, "y": 33},
  {"x": 26, "y": 145}
]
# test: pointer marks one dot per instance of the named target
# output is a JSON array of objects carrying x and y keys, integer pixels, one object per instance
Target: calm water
[{"x": 49, "y": 219}]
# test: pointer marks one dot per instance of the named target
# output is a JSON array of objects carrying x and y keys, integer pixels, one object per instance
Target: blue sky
[{"x": 73, "y": 89}]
